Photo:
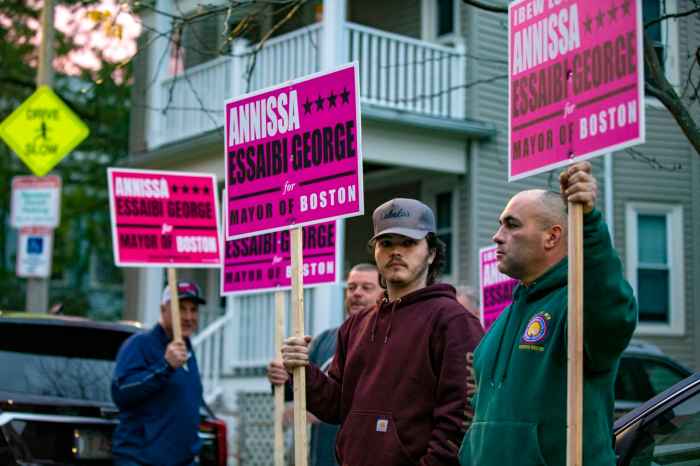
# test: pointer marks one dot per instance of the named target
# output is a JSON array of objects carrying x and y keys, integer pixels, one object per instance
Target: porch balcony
[{"x": 397, "y": 73}]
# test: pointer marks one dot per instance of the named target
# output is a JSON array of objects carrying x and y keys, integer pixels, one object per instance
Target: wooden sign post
[
  {"x": 174, "y": 304},
  {"x": 279, "y": 389},
  {"x": 299, "y": 376},
  {"x": 574, "y": 375}
]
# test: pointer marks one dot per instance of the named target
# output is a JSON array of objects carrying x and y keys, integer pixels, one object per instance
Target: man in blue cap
[{"x": 157, "y": 387}]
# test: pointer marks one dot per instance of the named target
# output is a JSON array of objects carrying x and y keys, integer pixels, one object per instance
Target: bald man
[{"x": 520, "y": 365}]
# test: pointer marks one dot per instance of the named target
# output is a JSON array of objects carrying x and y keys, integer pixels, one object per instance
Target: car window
[
  {"x": 672, "y": 438},
  {"x": 640, "y": 379},
  {"x": 58, "y": 376},
  {"x": 661, "y": 376}
]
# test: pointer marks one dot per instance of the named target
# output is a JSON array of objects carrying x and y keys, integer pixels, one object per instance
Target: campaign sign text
[
  {"x": 293, "y": 154},
  {"x": 576, "y": 81},
  {"x": 495, "y": 287},
  {"x": 164, "y": 219},
  {"x": 264, "y": 262}
]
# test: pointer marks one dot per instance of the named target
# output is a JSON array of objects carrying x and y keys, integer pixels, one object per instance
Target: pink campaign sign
[
  {"x": 496, "y": 288},
  {"x": 293, "y": 154},
  {"x": 164, "y": 219},
  {"x": 263, "y": 262},
  {"x": 576, "y": 81}
]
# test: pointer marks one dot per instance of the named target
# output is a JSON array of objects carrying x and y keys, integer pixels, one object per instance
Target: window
[
  {"x": 440, "y": 20},
  {"x": 668, "y": 438},
  {"x": 444, "y": 221},
  {"x": 655, "y": 267},
  {"x": 664, "y": 35}
]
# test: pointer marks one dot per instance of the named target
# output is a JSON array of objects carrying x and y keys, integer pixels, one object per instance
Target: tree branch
[
  {"x": 659, "y": 87},
  {"x": 669, "y": 16},
  {"x": 487, "y": 6}
]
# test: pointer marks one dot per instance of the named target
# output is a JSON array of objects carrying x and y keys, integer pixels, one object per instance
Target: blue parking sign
[{"x": 35, "y": 245}]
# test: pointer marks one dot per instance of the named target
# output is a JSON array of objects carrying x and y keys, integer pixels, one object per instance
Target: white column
[
  {"x": 333, "y": 36},
  {"x": 609, "y": 205},
  {"x": 151, "y": 286},
  {"x": 157, "y": 67},
  {"x": 328, "y": 300},
  {"x": 459, "y": 77}
]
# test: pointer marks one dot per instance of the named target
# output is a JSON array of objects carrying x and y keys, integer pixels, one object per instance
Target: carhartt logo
[
  {"x": 382, "y": 425},
  {"x": 396, "y": 213}
]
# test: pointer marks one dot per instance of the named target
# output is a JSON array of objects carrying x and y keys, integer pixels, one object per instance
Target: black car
[
  {"x": 55, "y": 402},
  {"x": 644, "y": 372},
  {"x": 664, "y": 430}
]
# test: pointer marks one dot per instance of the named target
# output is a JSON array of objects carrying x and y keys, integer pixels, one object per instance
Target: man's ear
[
  {"x": 553, "y": 236},
  {"x": 431, "y": 256}
]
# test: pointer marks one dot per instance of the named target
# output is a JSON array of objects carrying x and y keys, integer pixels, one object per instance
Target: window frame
[
  {"x": 671, "y": 43},
  {"x": 676, "y": 265},
  {"x": 430, "y": 190},
  {"x": 429, "y": 23}
]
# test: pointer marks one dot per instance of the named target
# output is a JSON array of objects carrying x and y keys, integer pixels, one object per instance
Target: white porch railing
[
  {"x": 242, "y": 339},
  {"x": 408, "y": 74},
  {"x": 192, "y": 103},
  {"x": 285, "y": 57},
  {"x": 208, "y": 346},
  {"x": 396, "y": 72}
]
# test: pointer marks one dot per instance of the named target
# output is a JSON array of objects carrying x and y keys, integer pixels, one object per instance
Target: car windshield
[
  {"x": 59, "y": 376},
  {"x": 65, "y": 359}
]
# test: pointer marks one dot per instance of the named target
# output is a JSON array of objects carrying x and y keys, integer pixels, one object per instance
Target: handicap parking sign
[{"x": 35, "y": 245}]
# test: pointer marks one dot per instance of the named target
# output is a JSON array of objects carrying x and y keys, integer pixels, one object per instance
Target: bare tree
[{"x": 657, "y": 84}]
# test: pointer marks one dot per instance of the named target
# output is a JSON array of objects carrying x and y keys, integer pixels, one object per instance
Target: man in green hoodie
[{"x": 520, "y": 365}]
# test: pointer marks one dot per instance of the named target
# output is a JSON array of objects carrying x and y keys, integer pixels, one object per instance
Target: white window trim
[
  {"x": 429, "y": 192},
  {"x": 669, "y": 36},
  {"x": 674, "y": 238},
  {"x": 429, "y": 23}
]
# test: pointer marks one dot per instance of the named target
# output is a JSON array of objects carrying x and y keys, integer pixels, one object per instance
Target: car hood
[{"x": 51, "y": 405}]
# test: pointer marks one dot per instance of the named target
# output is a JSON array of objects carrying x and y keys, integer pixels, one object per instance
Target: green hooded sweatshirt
[{"x": 520, "y": 365}]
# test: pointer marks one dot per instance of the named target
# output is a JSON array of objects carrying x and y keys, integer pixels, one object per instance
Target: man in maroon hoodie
[{"x": 399, "y": 381}]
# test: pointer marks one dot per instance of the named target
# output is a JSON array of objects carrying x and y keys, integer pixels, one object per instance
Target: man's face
[
  {"x": 520, "y": 238},
  {"x": 189, "y": 317},
  {"x": 401, "y": 260},
  {"x": 362, "y": 291}
]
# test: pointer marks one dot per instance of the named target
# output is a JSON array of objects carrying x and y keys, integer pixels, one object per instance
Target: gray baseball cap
[{"x": 407, "y": 217}]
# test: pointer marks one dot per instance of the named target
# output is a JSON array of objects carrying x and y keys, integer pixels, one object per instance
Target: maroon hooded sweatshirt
[{"x": 398, "y": 383}]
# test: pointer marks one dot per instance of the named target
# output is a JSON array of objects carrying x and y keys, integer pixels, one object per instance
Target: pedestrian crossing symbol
[{"x": 42, "y": 131}]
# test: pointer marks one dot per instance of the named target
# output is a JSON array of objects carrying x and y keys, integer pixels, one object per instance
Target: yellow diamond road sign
[{"x": 42, "y": 131}]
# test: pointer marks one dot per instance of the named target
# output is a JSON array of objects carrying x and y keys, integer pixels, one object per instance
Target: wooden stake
[
  {"x": 279, "y": 389},
  {"x": 299, "y": 375},
  {"x": 574, "y": 379},
  {"x": 174, "y": 304}
]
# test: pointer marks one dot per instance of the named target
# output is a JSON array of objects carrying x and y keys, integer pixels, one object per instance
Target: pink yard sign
[
  {"x": 263, "y": 262},
  {"x": 496, "y": 289},
  {"x": 164, "y": 219},
  {"x": 293, "y": 154},
  {"x": 576, "y": 81}
]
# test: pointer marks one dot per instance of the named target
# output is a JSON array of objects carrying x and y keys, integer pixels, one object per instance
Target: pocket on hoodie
[
  {"x": 501, "y": 443},
  {"x": 370, "y": 438}
]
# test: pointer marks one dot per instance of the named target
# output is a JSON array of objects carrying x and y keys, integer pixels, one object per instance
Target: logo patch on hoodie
[
  {"x": 382, "y": 425},
  {"x": 535, "y": 332}
]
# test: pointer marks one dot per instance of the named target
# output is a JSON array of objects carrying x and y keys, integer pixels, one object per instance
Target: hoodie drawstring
[{"x": 391, "y": 320}]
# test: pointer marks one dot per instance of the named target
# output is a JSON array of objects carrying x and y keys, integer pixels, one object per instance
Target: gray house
[{"x": 434, "y": 106}]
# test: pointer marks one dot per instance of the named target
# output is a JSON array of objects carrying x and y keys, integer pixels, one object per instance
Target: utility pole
[{"x": 38, "y": 288}]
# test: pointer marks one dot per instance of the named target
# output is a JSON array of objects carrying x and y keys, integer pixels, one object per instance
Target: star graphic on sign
[
  {"x": 612, "y": 12},
  {"x": 307, "y": 106},
  {"x": 206, "y": 190},
  {"x": 174, "y": 188},
  {"x": 185, "y": 189},
  {"x": 626, "y": 7},
  {"x": 331, "y": 99},
  {"x": 319, "y": 103},
  {"x": 345, "y": 95},
  {"x": 600, "y": 17},
  {"x": 587, "y": 24},
  {"x": 195, "y": 189}
]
